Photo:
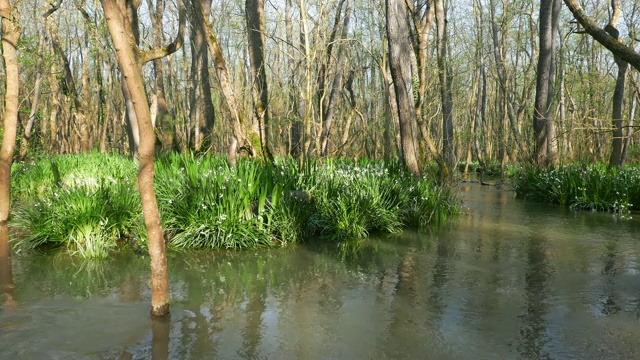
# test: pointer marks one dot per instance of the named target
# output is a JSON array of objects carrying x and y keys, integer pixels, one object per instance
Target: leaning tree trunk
[
  {"x": 224, "y": 79},
  {"x": 10, "y": 35},
  {"x": 400, "y": 65},
  {"x": 131, "y": 59}
]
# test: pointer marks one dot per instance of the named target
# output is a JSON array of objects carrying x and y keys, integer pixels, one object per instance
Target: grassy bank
[
  {"x": 88, "y": 203},
  {"x": 588, "y": 187}
]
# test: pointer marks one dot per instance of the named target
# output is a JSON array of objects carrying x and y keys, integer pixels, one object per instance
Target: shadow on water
[{"x": 509, "y": 280}]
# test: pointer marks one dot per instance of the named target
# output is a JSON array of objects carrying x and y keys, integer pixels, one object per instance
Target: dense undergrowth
[
  {"x": 589, "y": 187},
  {"x": 89, "y": 204}
]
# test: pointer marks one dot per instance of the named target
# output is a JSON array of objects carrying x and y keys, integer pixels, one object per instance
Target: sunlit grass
[
  {"x": 205, "y": 203},
  {"x": 588, "y": 187}
]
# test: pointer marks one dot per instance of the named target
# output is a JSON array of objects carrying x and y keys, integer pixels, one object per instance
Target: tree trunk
[
  {"x": 10, "y": 35},
  {"x": 71, "y": 91},
  {"x": 229, "y": 95},
  {"x": 26, "y": 135},
  {"x": 328, "y": 103},
  {"x": 543, "y": 126},
  {"x": 254, "y": 12},
  {"x": 618, "y": 95},
  {"x": 447, "y": 166},
  {"x": 163, "y": 123},
  {"x": 400, "y": 66},
  {"x": 131, "y": 59}
]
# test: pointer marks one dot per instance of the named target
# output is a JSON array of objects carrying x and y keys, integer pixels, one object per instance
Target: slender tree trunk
[
  {"x": 447, "y": 166},
  {"x": 627, "y": 140},
  {"x": 10, "y": 35},
  {"x": 618, "y": 95},
  {"x": 295, "y": 132},
  {"x": 340, "y": 33},
  {"x": 163, "y": 122},
  {"x": 237, "y": 119},
  {"x": 400, "y": 65},
  {"x": 70, "y": 89},
  {"x": 26, "y": 135},
  {"x": 543, "y": 116},
  {"x": 131, "y": 59}
]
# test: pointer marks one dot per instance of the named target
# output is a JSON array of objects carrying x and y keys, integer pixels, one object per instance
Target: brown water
[{"x": 510, "y": 280}]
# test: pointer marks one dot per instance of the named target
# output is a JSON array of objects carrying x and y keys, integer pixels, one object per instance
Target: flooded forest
[{"x": 316, "y": 179}]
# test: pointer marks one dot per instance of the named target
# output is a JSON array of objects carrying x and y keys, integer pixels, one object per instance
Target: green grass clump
[
  {"x": 87, "y": 203},
  {"x": 590, "y": 187},
  {"x": 31, "y": 180},
  {"x": 86, "y": 220},
  {"x": 354, "y": 199}
]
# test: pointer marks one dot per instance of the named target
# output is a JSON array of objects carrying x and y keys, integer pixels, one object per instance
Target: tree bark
[
  {"x": 131, "y": 59},
  {"x": 229, "y": 95},
  {"x": 447, "y": 165},
  {"x": 163, "y": 124},
  {"x": 400, "y": 66},
  {"x": 615, "y": 159},
  {"x": 10, "y": 35},
  {"x": 328, "y": 103},
  {"x": 543, "y": 116},
  {"x": 254, "y": 13}
]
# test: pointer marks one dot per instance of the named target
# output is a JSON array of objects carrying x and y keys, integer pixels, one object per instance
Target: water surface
[{"x": 508, "y": 280}]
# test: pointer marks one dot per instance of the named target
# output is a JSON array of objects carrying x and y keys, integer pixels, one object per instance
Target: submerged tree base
[{"x": 92, "y": 209}]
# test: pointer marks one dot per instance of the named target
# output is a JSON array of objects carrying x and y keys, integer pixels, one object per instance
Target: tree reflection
[
  {"x": 256, "y": 306},
  {"x": 6, "y": 276},
  {"x": 609, "y": 303},
  {"x": 160, "y": 328},
  {"x": 533, "y": 337}
]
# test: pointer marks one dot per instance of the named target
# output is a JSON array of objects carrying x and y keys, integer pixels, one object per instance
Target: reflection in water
[
  {"x": 254, "y": 312},
  {"x": 510, "y": 280},
  {"x": 7, "y": 285},
  {"x": 609, "y": 303},
  {"x": 160, "y": 331},
  {"x": 533, "y": 327}
]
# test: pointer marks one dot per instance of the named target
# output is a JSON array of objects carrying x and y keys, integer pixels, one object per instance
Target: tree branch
[
  {"x": 617, "y": 48},
  {"x": 176, "y": 44}
]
